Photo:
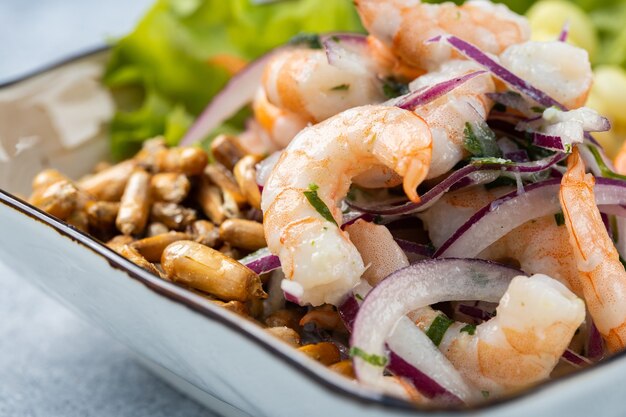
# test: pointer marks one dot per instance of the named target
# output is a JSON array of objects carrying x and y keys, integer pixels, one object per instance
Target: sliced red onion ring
[
  {"x": 474, "y": 169},
  {"x": 575, "y": 359},
  {"x": 239, "y": 91},
  {"x": 344, "y": 50},
  {"x": 481, "y": 58},
  {"x": 552, "y": 142},
  {"x": 514, "y": 209},
  {"x": 595, "y": 345},
  {"x": 415, "y": 248},
  {"x": 261, "y": 261},
  {"x": 424, "y": 96},
  {"x": 564, "y": 32},
  {"x": 416, "y": 286}
]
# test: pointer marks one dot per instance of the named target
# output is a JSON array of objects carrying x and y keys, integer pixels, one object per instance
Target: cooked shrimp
[
  {"x": 300, "y": 87},
  {"x": 560, "y": 69},
  {"x": 448, "y": 115},
  {"x": 601, "y": 274},
  {"x": 404, "y": 26},
  {"x": 316, "y": 255},
  {"x": 536, "y": 319},
  {"x": 380, "y": 253},
  {"x": 540, "y": 246}
]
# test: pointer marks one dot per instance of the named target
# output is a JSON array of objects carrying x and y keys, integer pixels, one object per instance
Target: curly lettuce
[{"x": 183, "y": 52}]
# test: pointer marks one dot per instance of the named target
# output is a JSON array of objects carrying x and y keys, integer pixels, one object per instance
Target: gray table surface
[{"x": 52, "y": 363}]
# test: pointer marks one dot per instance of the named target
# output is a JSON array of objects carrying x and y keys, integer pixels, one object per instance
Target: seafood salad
[{"x": 422, "y": 208}]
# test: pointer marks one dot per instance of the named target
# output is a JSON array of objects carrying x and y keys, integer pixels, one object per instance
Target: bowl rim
[{"x": 290, "y": 356}]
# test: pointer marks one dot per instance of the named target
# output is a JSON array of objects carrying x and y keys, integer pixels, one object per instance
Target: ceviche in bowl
[{"x": 422, "y": 208}]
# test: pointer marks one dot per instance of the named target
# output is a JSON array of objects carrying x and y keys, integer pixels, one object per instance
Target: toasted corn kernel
[
  {"x": 118, "y": 241},
  {"x": 135, "y": 257},
  {"x": 210, "y": 199},
  {"x": 245, "y": 234},
  {"x": 185, "y": 159},
  {"x": 324, "y": 319},
  {"x": 286, "y": 334},
  {"x": 58, "y": 199},
  {"x": 156, "y": 228},
  {"x": 170, "y": 187},
  {"x": 205, "y": 232},
  {"x": 152, "y": 247},
  {"x": 227, "y": 150},
  {"x": 208, "y": 270},
  {"x": 284, "y": 318},
  {"x": 135, "y": 204},
  {"x": 323, "y": 352},
  {"x": 46, "y": 178},
  {"x": 245, "y": 175},
  {"x": 223, "y": 178},
  {"x": 109, "y": 185},
  {"x": 146, "y": 157},
  {"x": 344, "y": 368},
  {"x": 79, "y": 219},
  {"x": 173, "y": 215},
  {"x": 102, "y": 214}
]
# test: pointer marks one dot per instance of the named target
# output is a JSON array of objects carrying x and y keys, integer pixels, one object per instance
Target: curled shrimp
[
  {"x": 299, "y": 87},
  {"x": 404, "y": 26},
  {"x": 318, "y": 258},
  {"x": 601, "y": 274},
  {"x": 540, "y": 246},
  {"x": 535, "y": 321},
  {"x": 560, "y": 69},
  {"x": 448, "y": 115}
]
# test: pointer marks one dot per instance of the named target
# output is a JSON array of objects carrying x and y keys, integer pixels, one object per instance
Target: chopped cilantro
[
  {"x": 538, "y": 109},
  {"x": 469, "y": 329},
  {"x": 370, "y": 358},
  {"x": 480, "y": 141},
  {"x": 378, "y": 219},
  {"x": 358, "y": 296},
  {"x": 392, "y": 88},
  {"x": 318, "y": 204},
  {"x": 559, "y": 218},
  {"x": 438, "y": 328},
  {"x": 311, "y": 40},
  {"x": 492, "y": 160},
  {"x": 605, "y": 170},
  {"x": 336, "y": 38},
  {"x": 341, "y": 87},
  {"x": 485, "y": 394}
]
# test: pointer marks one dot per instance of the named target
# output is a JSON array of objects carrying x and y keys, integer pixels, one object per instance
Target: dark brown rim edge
[{"x": 194, "y": 302}]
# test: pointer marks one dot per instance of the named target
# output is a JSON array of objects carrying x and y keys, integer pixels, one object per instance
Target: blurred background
[{"x": 179, "y": 56}]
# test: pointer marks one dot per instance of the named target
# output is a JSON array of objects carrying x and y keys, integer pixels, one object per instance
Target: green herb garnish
[
  {"x": 358, "y": 296},
  {"x": 341, "y": 87},
  {"x": 485, "y": 394},
  {"x": 480, "y": 141},
  {"x": 438, "y": 328},
  {"x": 310, "y": 40},
  {"x": 499, "y": 107},
  {"x": 538, "y": 109},
  {"x": 393, "y": 88},
  {"x": 370, "y": 358},
  {"x": 559, "y": 218},
  {"x": 318, "y": 204},
  {"x": 469, "y": 329},
  {"x": 605, "y": 170}
]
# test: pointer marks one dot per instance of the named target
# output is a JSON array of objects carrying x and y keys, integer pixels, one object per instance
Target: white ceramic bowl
[{"x": 229, "y": 364}]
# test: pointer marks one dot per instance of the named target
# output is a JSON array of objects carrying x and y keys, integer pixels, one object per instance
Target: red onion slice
[
  {"x": 345, "y": 50},
  {"x": 481, "y": 58},
  {"x": 476, "y": 172},
  {"x": 238, "y": 92},
  {"x": 564, "y": 32},
  {"x": 416, "y": 286},
  {"x": 514, "y": 209},
  {"x": 261, "y": 261},
  {"x": 575, "y": 359},
  {"x": 424, "y": 96}
]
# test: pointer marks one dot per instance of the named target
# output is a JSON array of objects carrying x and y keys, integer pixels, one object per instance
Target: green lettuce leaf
[{"x": 167, "y": 61}]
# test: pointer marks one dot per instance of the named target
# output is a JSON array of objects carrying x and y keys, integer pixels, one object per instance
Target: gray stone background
[{"x": 52, "y": 363}]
